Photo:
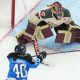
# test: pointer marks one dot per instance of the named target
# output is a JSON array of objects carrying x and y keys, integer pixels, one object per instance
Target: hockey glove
[{"x": 42, "y": 55}]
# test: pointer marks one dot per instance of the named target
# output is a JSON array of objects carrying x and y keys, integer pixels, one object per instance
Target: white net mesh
[
  {"x": 22, "y": 7},
  {"x": 5, "y": 13}
]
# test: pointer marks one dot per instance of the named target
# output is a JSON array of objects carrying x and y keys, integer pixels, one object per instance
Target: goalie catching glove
[{"x": 42, "y": 55}]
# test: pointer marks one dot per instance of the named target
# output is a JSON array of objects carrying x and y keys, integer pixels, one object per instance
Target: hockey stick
[
  {"x": 46, "y": 64},
  {"x": 63, "y": 52},
  {"x": 59, "y": 52},
  {"x": 36, "y": 47}
]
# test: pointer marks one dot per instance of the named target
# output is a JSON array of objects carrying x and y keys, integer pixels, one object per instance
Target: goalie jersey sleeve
[{"x": 19, "y": 69}]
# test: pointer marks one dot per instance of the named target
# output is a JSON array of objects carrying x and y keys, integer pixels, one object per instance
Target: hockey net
[
  {"x": 12, "y": 11},
  {"x": 5, "y": 13}
]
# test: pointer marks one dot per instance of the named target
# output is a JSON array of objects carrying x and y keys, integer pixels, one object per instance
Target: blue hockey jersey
[{"x": 19, "y": 69}]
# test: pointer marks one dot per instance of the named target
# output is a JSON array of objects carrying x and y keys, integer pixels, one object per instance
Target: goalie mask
[
  {"x": 21, "y": 49},
  {"x": 57, "y": 7}
]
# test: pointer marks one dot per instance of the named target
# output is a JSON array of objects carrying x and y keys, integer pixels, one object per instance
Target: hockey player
[
  {"x": 54, "y": 16},
  {"x": 20, "y": 62}
]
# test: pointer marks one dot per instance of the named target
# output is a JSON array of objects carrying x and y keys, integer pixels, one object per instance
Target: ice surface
[{"x": 61, "y": 66}]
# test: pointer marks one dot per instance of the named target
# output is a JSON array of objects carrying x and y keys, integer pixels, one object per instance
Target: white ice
[{"x": 61, "y": 66}]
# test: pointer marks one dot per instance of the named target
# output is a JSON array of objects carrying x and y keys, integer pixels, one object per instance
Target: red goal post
[{"x": 13, "y": 14}]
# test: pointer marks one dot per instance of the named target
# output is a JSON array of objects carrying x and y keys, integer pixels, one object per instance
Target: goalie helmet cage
[{"x": 13, "y": 11}]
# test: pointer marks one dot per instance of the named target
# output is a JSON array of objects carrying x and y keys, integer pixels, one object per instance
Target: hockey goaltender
[{"x": 52, "y": 16}]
